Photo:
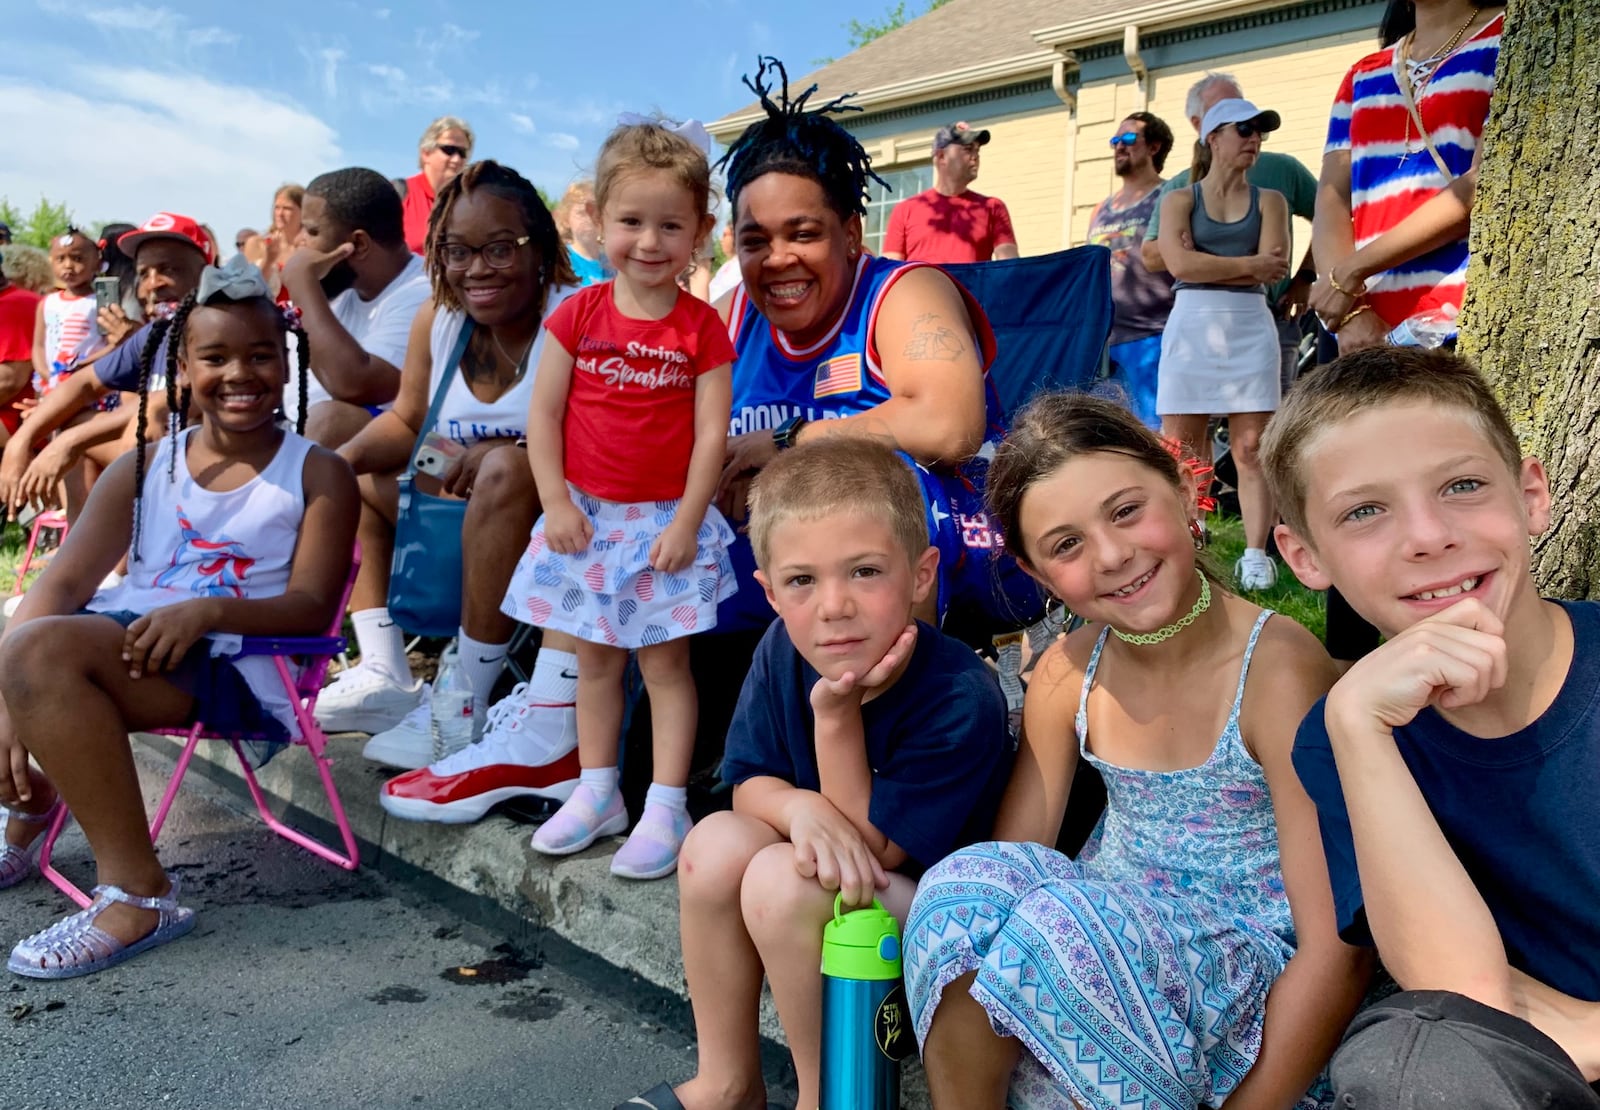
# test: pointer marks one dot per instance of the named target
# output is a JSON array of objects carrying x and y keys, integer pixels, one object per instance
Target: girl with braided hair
[
  {"x": 833, "y": 341},
  {"x": 237, "y": 527}
]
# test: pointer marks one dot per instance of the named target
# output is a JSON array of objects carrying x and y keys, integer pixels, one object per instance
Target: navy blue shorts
[{"x": 222, "y": 698}]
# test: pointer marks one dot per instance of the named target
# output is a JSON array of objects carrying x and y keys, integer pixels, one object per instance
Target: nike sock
[
  {"x": 675, "y": 798},
  {"x": 481, "y": 663},
  {"x": 555, "y": 677},
  {"x": 382, "y": 643},
  {"x": 601, "y": 781}
]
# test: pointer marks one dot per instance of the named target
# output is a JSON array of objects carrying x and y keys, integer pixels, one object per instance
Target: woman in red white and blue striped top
[{"x": 1395, "y": 200}]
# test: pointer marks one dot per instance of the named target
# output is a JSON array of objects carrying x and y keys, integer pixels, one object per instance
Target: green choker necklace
[{"x": 1162, "y": 635}]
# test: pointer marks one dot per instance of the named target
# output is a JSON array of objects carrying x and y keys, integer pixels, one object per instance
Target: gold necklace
[
  {"x": 1162, "y": 635},
  {"x": 1428, "y": 67}
]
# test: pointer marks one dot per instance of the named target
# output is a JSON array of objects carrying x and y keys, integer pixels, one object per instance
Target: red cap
[{"x": 169, "y": 225}]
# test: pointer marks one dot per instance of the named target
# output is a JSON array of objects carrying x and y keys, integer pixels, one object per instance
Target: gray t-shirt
[{"x": 1141, "y": 299}]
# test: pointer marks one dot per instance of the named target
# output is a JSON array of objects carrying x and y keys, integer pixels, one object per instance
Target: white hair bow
[{"x": 691, "y": 129}]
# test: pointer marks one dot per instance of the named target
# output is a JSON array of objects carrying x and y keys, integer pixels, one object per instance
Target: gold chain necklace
[
  {"x": 1162, "y": 635},
  {"x": 1427, "y": 67}
]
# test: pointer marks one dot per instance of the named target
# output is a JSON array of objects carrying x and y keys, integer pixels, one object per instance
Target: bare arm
[
  {"x": 75, "y": 393},
  {"x": 546, "y": 413},
  {"x": 1442, "y": 218},
  {"x": 384, "y": 445},
  {"x": 1035, "y": 800},
  {"x": 346, "y": 369},
  {"x": 925, "y": 341},
  {"x": 1187, "y": 264},
  {"x": 713, "y": 396},
  {"x": 1320, "y": 989},
  {"x": 69, "y": 445},
  {"x": 41, "y": 361},
  {"x": 14, "y": 378}
]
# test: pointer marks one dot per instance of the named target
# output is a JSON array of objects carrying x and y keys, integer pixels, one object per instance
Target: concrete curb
[{"x": 632, "y": 926}]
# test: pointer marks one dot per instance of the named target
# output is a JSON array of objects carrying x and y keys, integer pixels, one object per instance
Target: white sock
[
  {"x": 601, "y": 781},
  {"x": 1255, "y": 553},
  {"x": 481, "y": 663},
  {"x": 555, "y": 677},
  {"x": 675, "y": 798},
  {"x": 382, "y": 643}
]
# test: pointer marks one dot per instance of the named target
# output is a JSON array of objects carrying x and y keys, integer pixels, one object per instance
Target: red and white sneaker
[{"x": 528, "y": 749}]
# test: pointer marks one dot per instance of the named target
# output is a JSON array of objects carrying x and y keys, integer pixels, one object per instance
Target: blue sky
[{"x": 122, "y": 109}]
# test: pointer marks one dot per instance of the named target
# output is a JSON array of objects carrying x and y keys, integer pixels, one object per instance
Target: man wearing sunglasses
[
  {"x": 358, "y": 288},
  {"x": 1141, "y": 298},
  {"x": 443, "y": 152},
  {"x": 1282, "y": 172}
]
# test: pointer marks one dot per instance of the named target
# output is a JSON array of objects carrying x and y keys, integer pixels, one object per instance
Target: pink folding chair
[
  {"x": 52, "y": 520},
  {"x": 314, "y": 654}
]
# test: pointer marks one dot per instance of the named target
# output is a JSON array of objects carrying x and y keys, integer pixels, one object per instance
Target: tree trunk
[{"x": 1532, "y": 315}]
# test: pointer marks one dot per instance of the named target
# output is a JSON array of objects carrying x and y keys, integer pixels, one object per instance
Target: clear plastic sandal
[
  {"x": 75, "y": 946},
  {"x": 16, "y": 863}
]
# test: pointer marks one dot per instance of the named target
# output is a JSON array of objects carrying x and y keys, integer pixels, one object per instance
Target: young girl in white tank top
[{"x": 235, "y": 528}]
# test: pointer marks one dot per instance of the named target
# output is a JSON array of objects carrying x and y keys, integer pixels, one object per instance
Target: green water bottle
[{"x": 866, "y": 1024}]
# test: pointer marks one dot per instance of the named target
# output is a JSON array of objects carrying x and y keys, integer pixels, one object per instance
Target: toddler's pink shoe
[
  {"x": 580, "y": 821},
  {"x": 651, "y": 852}
]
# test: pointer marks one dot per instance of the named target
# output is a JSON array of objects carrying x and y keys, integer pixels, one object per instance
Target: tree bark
[{"x": 1532, "y": 313}]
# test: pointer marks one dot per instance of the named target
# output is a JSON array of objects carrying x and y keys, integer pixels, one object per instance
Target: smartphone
[
  {"x": 438, "y": 454},
  {"x": 107, "y": 291}
]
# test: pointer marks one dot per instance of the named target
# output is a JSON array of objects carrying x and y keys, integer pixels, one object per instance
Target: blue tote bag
[{"x": 425, "y": 576}]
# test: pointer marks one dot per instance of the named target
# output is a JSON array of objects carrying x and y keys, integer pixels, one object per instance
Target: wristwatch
[{"x": 787, "y": 434}]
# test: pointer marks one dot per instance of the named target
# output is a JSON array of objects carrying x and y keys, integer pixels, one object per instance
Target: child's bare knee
[
  {"x": 777, "y": 900},
  {"x": 662, "y": 663},
  {"x": 714, "y": 858}
]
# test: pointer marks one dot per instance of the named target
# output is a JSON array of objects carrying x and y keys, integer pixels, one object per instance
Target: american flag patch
[{"x": 838, "y": 375}]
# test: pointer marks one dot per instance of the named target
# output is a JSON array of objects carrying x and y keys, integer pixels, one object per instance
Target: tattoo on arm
[{"x": 933, "y": 339}]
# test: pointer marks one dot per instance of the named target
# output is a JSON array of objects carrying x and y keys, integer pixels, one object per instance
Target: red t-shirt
[
  {"x": 19, "y": 309},
  {"x": 417, "y": 206},
  {"x": 931, "y": 227},
  {"x": 629, "y": 427}
]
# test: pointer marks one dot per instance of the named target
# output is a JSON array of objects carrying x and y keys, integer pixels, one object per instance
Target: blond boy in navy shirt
[
  {"x": 865, "y": 747},
  {"x": 1456, "y": 769}
]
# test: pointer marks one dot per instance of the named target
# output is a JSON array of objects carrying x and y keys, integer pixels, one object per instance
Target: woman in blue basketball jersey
[{"x": 834, "y": 341}]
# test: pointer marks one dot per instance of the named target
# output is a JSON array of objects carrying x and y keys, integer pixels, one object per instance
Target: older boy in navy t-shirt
[
  {"x": 1456, "y": 769},
  {"x": 865, "y": 747}
]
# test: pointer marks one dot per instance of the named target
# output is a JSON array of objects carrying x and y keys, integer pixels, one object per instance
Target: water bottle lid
[{"x": 861, "y": 944}]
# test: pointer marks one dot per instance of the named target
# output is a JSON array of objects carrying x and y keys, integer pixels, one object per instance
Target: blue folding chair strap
[{"x": 290, "y": 645}]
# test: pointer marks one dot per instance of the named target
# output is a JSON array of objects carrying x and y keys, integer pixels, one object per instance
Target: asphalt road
[{"x": 304, "y": 985}]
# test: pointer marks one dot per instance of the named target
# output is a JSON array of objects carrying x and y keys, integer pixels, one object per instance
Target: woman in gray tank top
[{"x": 1225, "y": 240}]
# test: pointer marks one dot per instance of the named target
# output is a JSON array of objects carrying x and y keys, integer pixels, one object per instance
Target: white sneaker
[
  {"x": 11, "y": 606},
  {"x": 536, "y": 732},
  {"x": 366, "y": 699},
  {"x": 1256, "y": 570},
  {"x": 409, "y": 744}
]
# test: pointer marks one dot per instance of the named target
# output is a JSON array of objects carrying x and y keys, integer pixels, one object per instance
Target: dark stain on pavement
[
  {"x": 510, "y": 966},
  {"x": 397, "y": 994},
  {"x": 525, "y": 1005}
]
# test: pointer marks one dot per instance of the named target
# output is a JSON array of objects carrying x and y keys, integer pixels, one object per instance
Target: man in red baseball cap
[{"x": 168, "y": 252}]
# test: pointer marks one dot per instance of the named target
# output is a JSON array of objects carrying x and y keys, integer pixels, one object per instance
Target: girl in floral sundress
[{"x": 1189, "y": 955}]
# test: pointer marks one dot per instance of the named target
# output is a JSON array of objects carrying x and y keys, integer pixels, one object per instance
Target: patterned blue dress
[{"x": 1137, "y": 975}]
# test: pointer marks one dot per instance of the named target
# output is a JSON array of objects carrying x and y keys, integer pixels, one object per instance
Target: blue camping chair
[{"x": 1051, "y": 315}]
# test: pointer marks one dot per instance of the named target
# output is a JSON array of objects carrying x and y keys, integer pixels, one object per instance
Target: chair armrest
[{"x": 290, "y": 645}]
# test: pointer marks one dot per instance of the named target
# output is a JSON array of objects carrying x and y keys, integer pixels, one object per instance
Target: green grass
[
  {"x": 12, "y": 544},
  {"x": 1288, "y": 596}
]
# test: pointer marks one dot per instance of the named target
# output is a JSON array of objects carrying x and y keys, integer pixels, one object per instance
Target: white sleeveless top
[
  {"x": 70, "y": 330},
  {"x": 463, "y": 417},
  {"x": 196, "y": 543}
]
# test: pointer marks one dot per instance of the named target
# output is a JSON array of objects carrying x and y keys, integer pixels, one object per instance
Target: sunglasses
[
  {"x": 449, "y": 150},
  {"x": 1127, "y": 138},
  {"x": 1249, "y": 130}
]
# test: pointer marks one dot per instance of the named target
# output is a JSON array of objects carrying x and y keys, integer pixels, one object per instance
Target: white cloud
[
  {"x": 211, "y": 36},
  {"x": 387, "y": 72},
  {"x": 134, "y": 17},
  {"x": 169, "y": 141},
  {"x": 562, "y": 141},
  {"x": 520, "y": 123},
  {"x": 326, "y": 62}
]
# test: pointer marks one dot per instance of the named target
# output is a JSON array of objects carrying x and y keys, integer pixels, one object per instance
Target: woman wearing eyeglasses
[
  {"x": 1226, "y": 240},
  {"x": 498, "y": 270},
  {"x": 442, "y": 153}
]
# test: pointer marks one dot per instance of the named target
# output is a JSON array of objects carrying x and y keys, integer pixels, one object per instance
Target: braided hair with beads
[
  {"x": 802, "y": 141},
  {"x": 172, "y": 329}
]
